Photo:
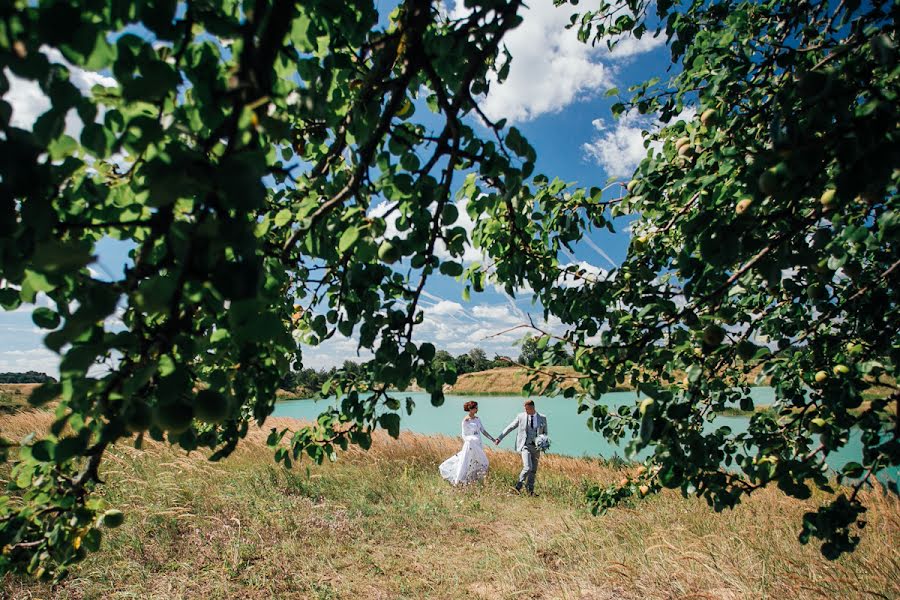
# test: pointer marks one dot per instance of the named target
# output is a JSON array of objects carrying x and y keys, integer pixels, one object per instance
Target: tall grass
[
  {"x": 382, "y": 524},
  {"x": 14, "y": 396}
]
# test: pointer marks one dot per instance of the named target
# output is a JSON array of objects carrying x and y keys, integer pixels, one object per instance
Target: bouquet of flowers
[{"x": 542, "y": 442}]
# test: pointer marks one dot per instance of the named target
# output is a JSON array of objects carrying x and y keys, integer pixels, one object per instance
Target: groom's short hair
[{"x": 529, "y": 403}]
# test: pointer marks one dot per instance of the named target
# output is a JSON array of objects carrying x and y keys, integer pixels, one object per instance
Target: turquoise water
[{"x": 568, "y": 430}]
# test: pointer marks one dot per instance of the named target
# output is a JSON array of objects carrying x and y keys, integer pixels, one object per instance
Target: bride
[{"x": 469, "y": 464}]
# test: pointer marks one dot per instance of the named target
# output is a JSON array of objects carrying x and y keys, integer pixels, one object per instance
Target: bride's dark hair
[{"x": 470, "y": 405}]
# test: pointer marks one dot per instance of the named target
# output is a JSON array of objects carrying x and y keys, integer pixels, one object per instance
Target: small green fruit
[
  {"x": 852, "y": 270},
  {"x": 818, "y": 424},
  {"x": 768, "y": 182},
  {"x": 640, "y": 243},
  {"x": 708, "y": 116},
  {"x": 112, "y": 518},
  {"x": 210, "y": 406},
  {"x": 644, "y": 490},
  {"x": 646, "y": 404},
  {"x": 681, "y": 142},
  {"x": 743, "y": 205},
  {"x": 821, "y": 376},
  {"x": 689, "y": 318},
  {"x": 713, "y": 335},
  {"x": 853, "y": 348},
  {"x": 405, "y": 109},
  {"x": 631, "y": 185},
  {"x": 827, "y": 198},
  {"x": 174, "y": 417},
  {"x": 746, "y": 349},
  {"x": 686, "y": 151},
  {"x": 138, "y": 417},
  {"x": 840, "y": 370},
  {"x": 816, "y": 292},
  {"x": 388, "y": 252}
]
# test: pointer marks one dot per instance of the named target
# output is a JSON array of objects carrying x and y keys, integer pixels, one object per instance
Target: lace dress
[{"x": 470, "y": 464}]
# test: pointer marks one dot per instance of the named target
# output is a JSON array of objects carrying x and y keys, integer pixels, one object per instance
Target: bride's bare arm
[{"x": 484, "y": 431}]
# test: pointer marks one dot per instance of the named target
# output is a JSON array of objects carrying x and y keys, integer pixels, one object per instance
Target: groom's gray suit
[{"x": 528, "y": 428}]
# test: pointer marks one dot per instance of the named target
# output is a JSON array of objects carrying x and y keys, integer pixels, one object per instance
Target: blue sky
[{"x": 555, "y": 95}]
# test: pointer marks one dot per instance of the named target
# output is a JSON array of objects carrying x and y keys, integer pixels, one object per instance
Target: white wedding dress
[{"x": 470, "y": 464}]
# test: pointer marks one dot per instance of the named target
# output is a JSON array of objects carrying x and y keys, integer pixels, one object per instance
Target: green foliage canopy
[
  {"x": 239, "y": 153},
  {"x": 244, "y": 144},
  {"x": 766, "y": 234}
]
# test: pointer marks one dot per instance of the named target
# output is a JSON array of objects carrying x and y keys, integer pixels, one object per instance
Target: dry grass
[
  {"x": 14, "y": 396},
  {"x": 511, "y": 380},
  {"x": 505, "y": 380},
  {"x": 382, "y": 524}
]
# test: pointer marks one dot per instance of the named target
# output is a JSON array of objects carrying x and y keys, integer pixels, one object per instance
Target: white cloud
[
  {"x": 445, "y": 307},
  {"x": 499, "y": 312},
  {"x": 470, "y": 253},
  {"x": 551, "y": 68},
  {"x": 450, "y": 326},
  {"x": 630, "y": 46},
  {"x": 583, "y": 272},
  {"x": 36, "y": 359},
  {"x": 619, "y": 150},
  {"x": 80, "y": 78},
  {"x": 28, "y": 101}
]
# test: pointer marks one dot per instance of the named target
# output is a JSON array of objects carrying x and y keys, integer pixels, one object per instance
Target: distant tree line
[
  {"x": 26, "y": 377},
  {"x": 473, "y": 361}
]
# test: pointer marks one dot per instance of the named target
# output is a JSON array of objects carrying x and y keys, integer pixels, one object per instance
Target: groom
[{"x": 530, "y": 424}]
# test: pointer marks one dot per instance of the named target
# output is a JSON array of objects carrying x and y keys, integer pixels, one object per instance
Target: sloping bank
[{"x": 511, "y": 381}]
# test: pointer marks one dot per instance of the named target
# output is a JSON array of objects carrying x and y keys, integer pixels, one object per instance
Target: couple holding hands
[{"x": 471, "y": 464}]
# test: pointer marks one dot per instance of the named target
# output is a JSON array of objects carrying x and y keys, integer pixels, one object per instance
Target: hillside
[
  {"x": 383, "y": 524},
  {"x": 511, "y": 380},
  {"x": 14, "y": 396},
  {"x": 502, "y": 380}
]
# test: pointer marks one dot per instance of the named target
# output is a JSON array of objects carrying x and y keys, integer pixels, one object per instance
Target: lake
[{"x": 568, "y": 429}]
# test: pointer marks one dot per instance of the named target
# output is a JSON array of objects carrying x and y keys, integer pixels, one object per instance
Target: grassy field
[
  {"x": 503, "y": 380},
  {"x": 14, "y": 396},
  {"x": 383, "y": 524}
]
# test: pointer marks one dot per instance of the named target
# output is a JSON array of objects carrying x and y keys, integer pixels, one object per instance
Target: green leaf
[
  {"x": 42, "y": 450},
  {"x": 853, "y": 470},
  {"x": 348, "y": 238},
  {"x": 44, "y": 393},
  {"x": 426, "y": 351},
  {"x": 69, "y": 447},
  {"x": 97, "y": 139},
  {"x": 62, "y": 147},
  {"x": 283, "y": 217},
  {"x": 53, "y": 256},
  {"x": 390, "y": 422},
  {"x": 45, "y": 318},
  {"x": 451, "y": 269}
]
